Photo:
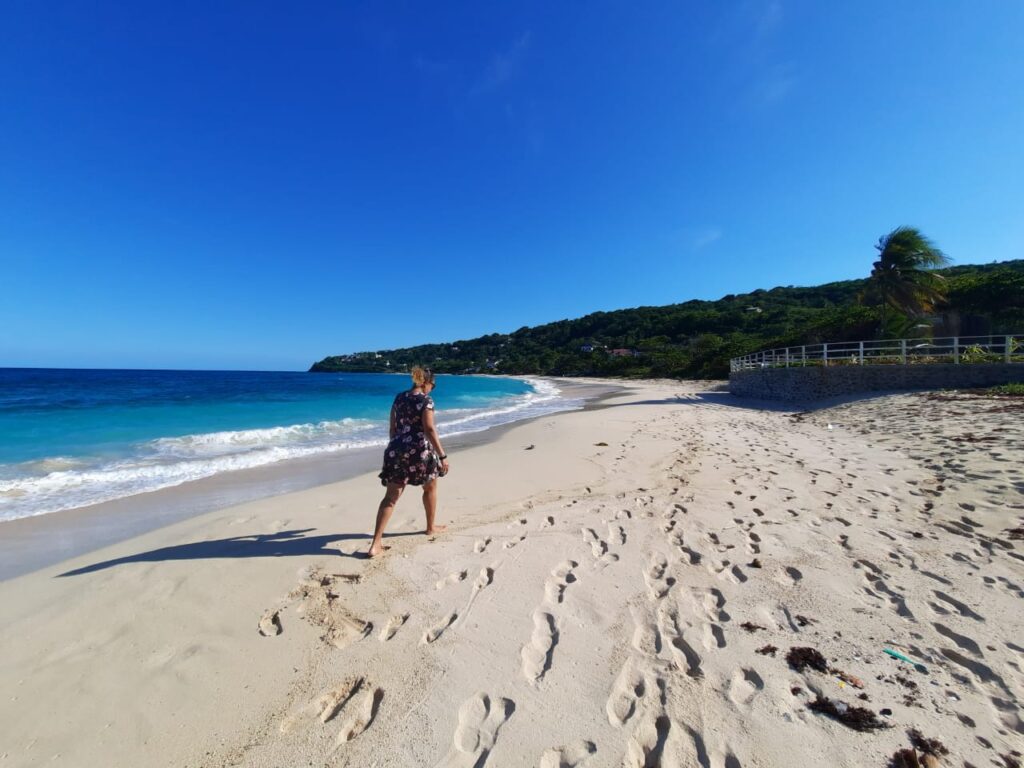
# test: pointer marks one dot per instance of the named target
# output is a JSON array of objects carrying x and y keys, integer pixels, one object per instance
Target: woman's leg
[
  {"x": 387, "y": 506},
  {"x": 430, "y": 507}
]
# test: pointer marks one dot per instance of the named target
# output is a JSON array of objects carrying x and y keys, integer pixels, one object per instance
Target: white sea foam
[
  {"x": 212, "y": 444},
  {"x": 60, "y": 483}
]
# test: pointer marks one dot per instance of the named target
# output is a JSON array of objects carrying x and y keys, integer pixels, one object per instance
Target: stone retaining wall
[{"x": 817, "y": 382}]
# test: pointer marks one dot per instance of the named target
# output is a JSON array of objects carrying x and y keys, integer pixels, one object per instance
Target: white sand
[{"x": 584, "y": 609}]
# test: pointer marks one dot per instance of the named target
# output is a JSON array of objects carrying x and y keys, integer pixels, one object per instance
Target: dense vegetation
[{"x": 697, "y": 338}]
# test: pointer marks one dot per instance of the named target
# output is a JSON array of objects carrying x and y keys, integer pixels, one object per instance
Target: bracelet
[{"x": 444, "y": 457}]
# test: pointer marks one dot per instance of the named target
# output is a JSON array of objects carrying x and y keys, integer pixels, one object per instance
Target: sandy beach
[{"x": 619, "y": 586}]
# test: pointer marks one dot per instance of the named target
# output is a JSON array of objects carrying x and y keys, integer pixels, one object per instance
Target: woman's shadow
[{"x": 281, "y": 544}]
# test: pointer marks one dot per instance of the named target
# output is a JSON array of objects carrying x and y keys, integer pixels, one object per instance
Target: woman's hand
[{"x": 444, "y": 466}]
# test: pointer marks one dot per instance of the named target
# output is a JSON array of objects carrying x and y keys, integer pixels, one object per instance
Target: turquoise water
[{"x": 69, "y": 438}]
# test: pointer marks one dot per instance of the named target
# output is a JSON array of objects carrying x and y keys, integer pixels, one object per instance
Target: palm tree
[{"x": 901, "y": 278}]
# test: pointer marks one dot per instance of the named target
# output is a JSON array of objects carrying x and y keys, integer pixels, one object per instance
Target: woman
[{"x": 413, "y": 457}]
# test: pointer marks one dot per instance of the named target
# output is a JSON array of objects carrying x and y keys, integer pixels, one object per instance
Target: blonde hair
[{"x": 422, "y": 376}]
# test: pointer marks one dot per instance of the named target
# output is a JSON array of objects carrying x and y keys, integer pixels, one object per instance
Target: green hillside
[{"x": 695, "y": 339}]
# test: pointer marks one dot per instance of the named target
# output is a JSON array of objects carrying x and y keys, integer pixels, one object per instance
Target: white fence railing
[{"x": 948, "y": 349}]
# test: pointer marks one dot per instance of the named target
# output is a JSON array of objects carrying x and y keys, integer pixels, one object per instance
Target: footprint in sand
[
  {"x": 480, "y": 720},
  {"x": 365, "y": 711},
  {"x": 438, "y": 629},
  {"x": 512, "y": 542},
  {"x": 896, "y": 600},
  {"x": 484, "y": 579},
  {"x": 962, "y": 608},
  {"x": 537, "y": 655},
  {"x": 646, "y": 637},
  {"x": 481, "y": 545},
  {"x": 598, "y": 546},
  {"x": 326, "y": 706},
  {"x": 692, "y": 555},
  {"x": 684, "y": 654},
  {"x": 1011, "y": 587},
  {"x": 658, "y": 583},
  {"x": 561, "y": 577},
  {"x": 617, "y": 533},
  {"x": 744, "y": 685},
  {"x": 627, "y": 691},
  {"x": 343, "y": 629},
  {"x": 548, "y": 522},
  {"x": 734, "y": 574},
  {"x": 394, "y": 624},
  {"x": 571, "y": 756},
  {"x": 452, "y": 578},
  {"x": 270, "y": 624},
  {"x": 753, "y": 543},
  {"x": 647, "y": 744},
  {"x": 963, "y": 641},
  {"x": 321, "y": 607},
  {"x": 713, "y": 637}
]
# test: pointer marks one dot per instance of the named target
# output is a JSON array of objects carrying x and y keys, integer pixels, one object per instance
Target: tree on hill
[{"x": 902, "y": 279}]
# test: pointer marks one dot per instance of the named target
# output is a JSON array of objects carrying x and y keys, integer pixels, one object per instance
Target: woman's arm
[{"x": 431, "y": 432}]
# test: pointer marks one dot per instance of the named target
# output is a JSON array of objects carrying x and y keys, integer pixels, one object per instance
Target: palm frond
[{"x": 901, "y": 277}]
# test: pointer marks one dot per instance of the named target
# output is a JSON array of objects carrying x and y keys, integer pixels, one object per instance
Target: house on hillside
[{"x": 623, "y": 353}]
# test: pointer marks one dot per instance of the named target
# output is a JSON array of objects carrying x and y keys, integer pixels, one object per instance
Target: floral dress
[{"x": 409, "y": 457}]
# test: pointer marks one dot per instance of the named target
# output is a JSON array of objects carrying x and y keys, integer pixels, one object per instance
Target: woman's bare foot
[
  {"x": 436, "y": 530},
  {"x": 377, "y": 549}
]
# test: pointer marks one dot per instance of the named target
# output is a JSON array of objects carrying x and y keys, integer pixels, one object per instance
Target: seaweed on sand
[
  {"x": 928, "y": 746},
  {"x": 802, "y": 657},
  {"x": 925, "y": 754},
  {"x": 908, "y": 758},
  {"x": 857, "y": 718}
]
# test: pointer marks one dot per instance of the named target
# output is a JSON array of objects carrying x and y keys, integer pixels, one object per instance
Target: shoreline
[{"x": 31, "y": 543}]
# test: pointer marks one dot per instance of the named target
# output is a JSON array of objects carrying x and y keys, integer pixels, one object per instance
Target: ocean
[{"x": 71, "y": 438}]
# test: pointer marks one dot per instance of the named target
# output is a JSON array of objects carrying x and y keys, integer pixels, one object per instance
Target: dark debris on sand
[
  {"x": 908, "y": 758},
  {"x": 802, "y": 657},
  {"x": 925, "y": 754},
  {"x": 857, "y": 718},
  {"x": 926, "y": 745},
  {"x": 751, "y": 627},
  {"x": 767, "y": 650}
]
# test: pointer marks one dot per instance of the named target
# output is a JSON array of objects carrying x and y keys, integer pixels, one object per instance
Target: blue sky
[{"x": 256, "y": 186}]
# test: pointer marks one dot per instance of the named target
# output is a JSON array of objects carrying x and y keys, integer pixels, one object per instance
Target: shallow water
[{"x": 71, "y": 438}]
